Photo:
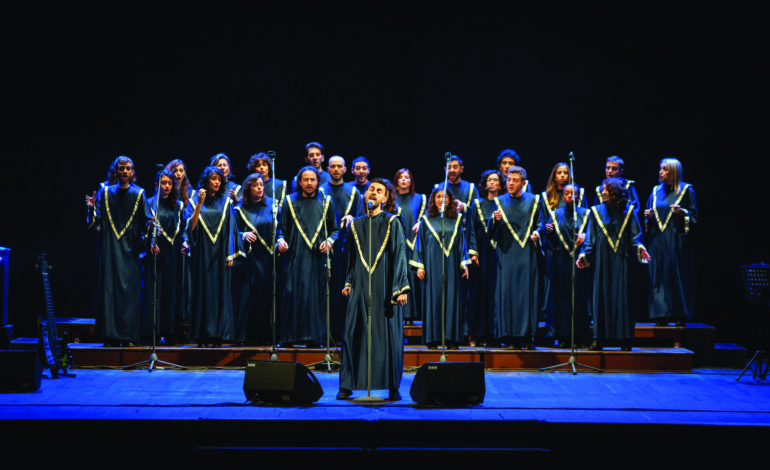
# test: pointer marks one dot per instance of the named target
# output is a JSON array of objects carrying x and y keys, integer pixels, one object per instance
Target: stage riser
[{"x": 673, "y": 360}]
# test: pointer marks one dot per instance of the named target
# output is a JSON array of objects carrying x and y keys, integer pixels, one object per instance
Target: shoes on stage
[
  {"x": 595, "y": 346},
  {"x": 527, "y": 346},
  {"x": 393, "y": 395},
  {"x": 344, "y": 394},
  {"x": 626, "y": 346},
  {"x": 681, "y": 322},
  {"x": 452, "y": 346},
  {"x": 409, "y": 323}
]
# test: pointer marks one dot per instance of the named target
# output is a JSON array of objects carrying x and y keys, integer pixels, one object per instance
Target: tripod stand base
[
  {"x": 573, "y": 363},
  {"x": 152, "y": 361}
]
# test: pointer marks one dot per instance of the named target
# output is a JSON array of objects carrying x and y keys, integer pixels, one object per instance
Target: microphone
[
  {"x": 370, "y": 206},
  {"x": 448, "y": 155},
  {"x": 571, "y": 157},
  {"x": 271, "y": 154}
]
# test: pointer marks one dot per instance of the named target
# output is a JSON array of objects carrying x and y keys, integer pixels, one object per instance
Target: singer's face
[
  {"x": 567, "y": 195},
  {"x": 493, "y": 182},
  {"x": 605, "y": 193},
  {"x": 314, "y": 157},
  {"x": 361, "y": 171},
  {"x": 440, "y": 199},
  {"x": 613, "y": 170},
  {"x": 125, "y": 172},
  {"x": 166, "y": 184},
  {"x": 404, "y": 182},
  {"x": 562, "y": 176},
  {"x": 506, "y": 163},
  {"x": 377, "y": 193},
  {"x": 179, "y": 173},
  {"x": 262, "y": 167},
  {"x": 224, "y": 166},
  {"x": 214, "y": 183},
  {"x": 455, "y": 170},
  {"x": 336, "y": 168},
  {"x": 309, "y": 183},
  {"x": 664, "y": 175},
  {"x": 515, "y": 184},
  {"x": 257, "y": 190}
]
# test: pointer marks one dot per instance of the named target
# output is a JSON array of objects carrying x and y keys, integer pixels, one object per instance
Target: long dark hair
[
  {"x": 203, "y": 183},
  {"x": 483, "y": 192},
  {"x": 616, "y": 189},
  {"x": 246, "y": 200},
  {"x": 450, "y": 209},
  {"x": 185, "y": 186},
  {"x": 172, "y": 198}
]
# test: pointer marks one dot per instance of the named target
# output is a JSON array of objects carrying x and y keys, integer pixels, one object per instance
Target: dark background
[{"x": 400, "y": 87}]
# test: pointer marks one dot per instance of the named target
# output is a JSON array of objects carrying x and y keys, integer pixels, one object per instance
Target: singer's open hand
[
  {"x": 401, "y": 300},
  {"x": 90, "y": 199}
]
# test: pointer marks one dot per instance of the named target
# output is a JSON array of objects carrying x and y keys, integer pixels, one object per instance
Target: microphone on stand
[{"x": 370, "y": 206}]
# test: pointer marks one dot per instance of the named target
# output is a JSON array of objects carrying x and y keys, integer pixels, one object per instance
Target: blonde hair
[{"x": 674, "y": 167}]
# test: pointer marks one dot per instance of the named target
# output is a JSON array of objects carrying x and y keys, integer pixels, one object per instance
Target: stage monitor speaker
[
  {"x": 449, "y": 383},
  {"x": 20, "y": 371},
  {"x": 280, "y": 382}
]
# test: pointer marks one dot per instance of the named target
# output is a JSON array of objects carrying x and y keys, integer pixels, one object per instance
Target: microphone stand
[
  {"x": 153, "y": 356},
  {"x": 369, "y": 398},
  {"x": 572, "y": 362},
  {"x": 273, "y": 352},
  {"x": 443, "y": 358},
  {"x": 330, "y": 364}
]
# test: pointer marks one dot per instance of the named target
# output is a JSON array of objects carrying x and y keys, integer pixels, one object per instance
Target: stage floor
[
  {"x": 705, "y": 396},
  {"x": 665, "y": 420}
]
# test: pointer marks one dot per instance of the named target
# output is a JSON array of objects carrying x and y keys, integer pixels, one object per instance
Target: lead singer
[{"x": 383, "y": 258}]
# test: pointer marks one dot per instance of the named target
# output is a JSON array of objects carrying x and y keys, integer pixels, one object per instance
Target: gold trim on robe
[
  {"x": 109, "y": 214},
  {"x": 520, "y": 241}
]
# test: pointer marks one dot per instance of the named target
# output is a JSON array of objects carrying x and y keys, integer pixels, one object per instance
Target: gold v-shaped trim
[
  {"x": 561, "y": 237},
  {"x": 408, "y": 230},
  {"x": 614, "y": 245},
  {"x": 448, "y": 249},
  {"x": 350, "y": 202},
  {"x": 109, "y": 214},
  {"x": 320, "y": 222},
  {"x": 178, "y": 223},
  {"x": 252, "y": 227},
  {"x": 379, "y": 253},
  {"x": 520, "y": 241},
  {"x": 221, "y": 222},
  {"x": 483, "y": 223},
  {"x": 668, "y": 217}
]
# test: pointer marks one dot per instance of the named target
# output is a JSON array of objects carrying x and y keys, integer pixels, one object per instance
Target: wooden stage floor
[{"x": 665, "y": 420}]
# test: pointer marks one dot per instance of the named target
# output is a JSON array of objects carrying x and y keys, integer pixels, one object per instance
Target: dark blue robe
[
  {"x": 613, "y": 239},
  {"x": 214, "y": 242},
  {"x": 303, "y": 308},
  {"x": 672, "y": 286},
  {"x": 347, "y": 201},
  {"x": 169, "y": 295},
  {"x": 480, "y": 310},
  {"x": 431, "y": 247},
  {"x": 120, "y": 218},
  {"x": 411, "y": 209},
  {"x": 388, "y": 280},
  {"x": 253, "y": 277},
  {"x": 559, "y": 264},
  {"x": 516, "y": 295}
]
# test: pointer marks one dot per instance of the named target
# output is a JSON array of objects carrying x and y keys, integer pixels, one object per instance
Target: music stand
[{"x": 756, "y": 289}]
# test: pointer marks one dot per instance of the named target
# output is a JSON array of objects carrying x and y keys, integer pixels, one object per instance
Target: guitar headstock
[{"x": 41, "y": 264}]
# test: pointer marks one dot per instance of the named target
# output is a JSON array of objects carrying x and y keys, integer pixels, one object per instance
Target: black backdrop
[{"x": 400, "y": 88}]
